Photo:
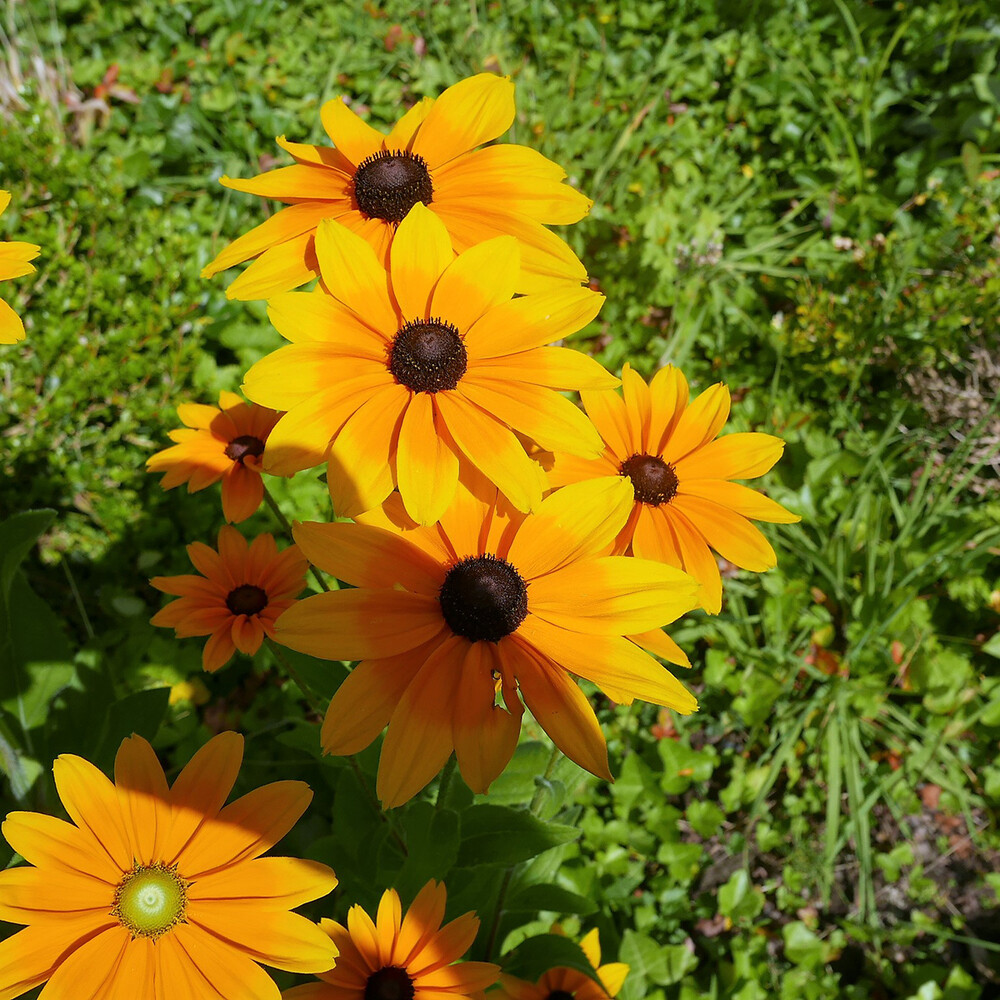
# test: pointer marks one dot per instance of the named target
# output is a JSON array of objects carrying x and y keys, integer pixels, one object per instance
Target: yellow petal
[
  {"x": 354, "y": 274},
  {"x": 401, "y": 136},
  {"x": 613, "y": 595},
  {"x": 607, "y": 410},
  {"x": 421, "y": 251},
  {"x": 298, "y": 182},
  {"x": 359, "y": 624},
  {"x": 426, "y": 465},
  {"x": 730, "y": 534},
  {"x": 611, "y": 660},
  {"x": 492, "y": 449},
  {"x": 532, "y": 321},
  {"x": 699, "y": 423},
  {"x": 477, "y": 280},
  {"x": 696, "y": 556},
  {"x": 278, "y": 269},
  {"x": 740, "y": 499},
  {"x": 668, "y": 393},
  {"x": 356, "y": 139},
  {"x": 284, "y": 882},
  {"x": 572, "y": 523},
  {"x": 657, "y": 642},
  {"x": 363, "y": 555},
  {"x": 638, "y": 406},
  {"x": 359, "y": 474},
  {"x": 736, "y": 456},
  {"x": 317, "y": 317},
  {"x": 142, "y": 788},
  {"x": 562, "y": 710},
  {"x": 11, "y": 327},
  {"x": 466, "y": 115},
  {"x": 555, "y": 367},
  {"x": 419, "y": 739}
]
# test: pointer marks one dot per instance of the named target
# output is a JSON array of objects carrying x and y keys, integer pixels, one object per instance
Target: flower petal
[
  {"x": 611, "y": 660},
  {"x": 468, "y": 114},
  {"x": 216, "y": 966},
  {"x": 142, "y": 789},
  {"x": 355, "y": 138},
  {"x": 426, "y": 464},
  {"x": 55, "y": 844},
  {"x": 576, "y": 521},
  {"x": 84, "y": 973},
  {"x": 699, "y": 423},
  {"x": 359, "y": 624},
  {"x": 284, "y": 882},
  {"x": 420, "y": 253},
  {"x": 740, "y": 499},
  {"x": 735, "y": 456},
  {"x": 478, "y": 279},
  {"x": 730, "y": 534},
  {"x": 284, "y": 266}
]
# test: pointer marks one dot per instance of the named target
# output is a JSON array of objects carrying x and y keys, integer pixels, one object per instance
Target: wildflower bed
[{"x": 798, "y": 201}]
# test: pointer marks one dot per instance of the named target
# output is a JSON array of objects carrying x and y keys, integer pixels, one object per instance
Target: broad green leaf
[
  {"x": 533, "y": 898},
  {"x": 530, "y": 959},
  {"x": 17, "y": 536},
  {"x": 498, "y": 835},
  {"x": 140, "y": 712}
]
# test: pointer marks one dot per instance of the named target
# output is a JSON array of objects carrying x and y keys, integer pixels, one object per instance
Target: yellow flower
[
  {"x": 14, "y": 259},
  {"x": 568, "y": 984},
  {"x": 486, "y": 602},
  {"x": 159, "y": 892},
  {"x": 224, "y": 442},
  {"x": 236, "y": 601},
  {"x": 412, "y": 371},
  {"x": 370, "y": 181},
  {"x": 685, "y": 501},
  {"x": 398, "y": 957}
]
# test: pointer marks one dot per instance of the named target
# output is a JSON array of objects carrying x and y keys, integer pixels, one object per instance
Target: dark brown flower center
[
  {"x": 389, "y": 983},
  {"x": 246, "y": 599},
  {"x": 559, "y": 995},
  {"x": 483, "y": 598},
  {"x": 390, "y": 182},
  {"x": 653, "y": 480},
  {"x": 246, "y": 444},
  {"x": 428, "y": 356}
]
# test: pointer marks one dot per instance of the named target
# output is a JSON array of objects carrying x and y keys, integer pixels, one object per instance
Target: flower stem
[
  {"x": 286, "y": 525},
  {"x": 445, "y": 783}
]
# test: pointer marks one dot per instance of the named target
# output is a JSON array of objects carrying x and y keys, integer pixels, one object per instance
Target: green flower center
[
  {"x": 653, "y": 480},
  {"x": 150, "y": 900},
  {"x": 390, "y": 182},
  {"x": 389, "y": 983}
]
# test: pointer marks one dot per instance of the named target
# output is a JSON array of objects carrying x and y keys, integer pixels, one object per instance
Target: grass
[{"x": 800, "y": 199}]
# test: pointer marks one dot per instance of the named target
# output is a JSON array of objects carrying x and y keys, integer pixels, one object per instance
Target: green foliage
[{"x": 799, "y": 198}]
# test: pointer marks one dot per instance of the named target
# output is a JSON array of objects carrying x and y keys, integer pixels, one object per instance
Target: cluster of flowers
[{"x": 502, "y": 543}]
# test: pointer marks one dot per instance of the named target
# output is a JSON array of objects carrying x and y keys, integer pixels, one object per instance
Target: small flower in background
[
  {"x": 237, "y": 599},
  {"x": 219, "y": 443},
  {"x": 159, "y": 892},
  {"x": 412, "y": 372},
  {"x": 370, "y": 181},
  {"x": 398, "y": 957},
  {"x": 14, "y": 258},
  {"x": 568, "y": 984},
  {"x": 685, "y": 502},
  {"x": 486, "y": 603}
]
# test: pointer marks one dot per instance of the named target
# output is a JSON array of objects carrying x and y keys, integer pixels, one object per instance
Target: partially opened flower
[
  {"x": 241, "y": 592},
  {"x": 224, "y": 442},
  {"x": 411, "y": 372},
  {"x": 159, "y": 892},
  {"x": 681, "y": 474},
  {"x": 488, "y": 602},
  {"x": 569, "y": 984},
  {"x": 398, "y": 957},
  {"x": 14, "y": 262},
  {"x": 370, "y": 181}
]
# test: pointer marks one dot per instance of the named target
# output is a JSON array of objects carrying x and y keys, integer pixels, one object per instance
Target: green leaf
[
  {"x": 531, "y": 958},
  {"x": 802, "y": 946},
  {"x": 739, "y": 899},
  {"x": 533, "y": 898},
  {"x": 498, "y": 835},
  {"x": 140, "y": 712},
  {"x": 656, "y": 963},
  {"x": 17, "y": 536}
]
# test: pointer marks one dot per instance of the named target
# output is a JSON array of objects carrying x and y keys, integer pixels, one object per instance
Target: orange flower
[
  {"x": 685, "y": 502},
  {"x": 568, "y": 984},
  {"x": 14, "y": 263},
  {"x": 399, "y": 958},
  {"x": 225, "y": 443},
  {"x": 242, "y": 591},
  {"x": 487, "y": 602},
  {"x": 159, "y": 892},
  {"x": 370, "y": 181}
]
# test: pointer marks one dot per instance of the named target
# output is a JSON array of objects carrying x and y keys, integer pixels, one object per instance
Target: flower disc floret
[
  {"x": 244, "y": 446},
  {"x": 428, "y": 356},
  {"x": 150, "y": 900},
  {"x": 389, "y": 983},
  {"x": 483, "y": 598},
  {"x": 390, "y": 182},
  {"x": 653, "y": 480},
  {"x": 246, "y": 599}
]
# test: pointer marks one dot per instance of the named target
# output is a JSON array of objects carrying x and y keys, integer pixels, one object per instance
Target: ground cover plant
[{"x": 797, "y": 199}]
